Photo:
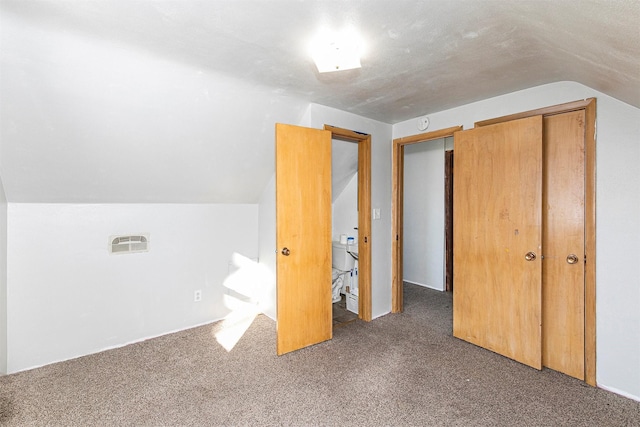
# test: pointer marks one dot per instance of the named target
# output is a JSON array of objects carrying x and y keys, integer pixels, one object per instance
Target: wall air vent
[{"x": 129, "y": 244}]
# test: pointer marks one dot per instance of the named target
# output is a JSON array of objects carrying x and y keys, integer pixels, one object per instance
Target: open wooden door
[
  {"x": 303, "y": 237},
  {"x": 498, "y": 237}
]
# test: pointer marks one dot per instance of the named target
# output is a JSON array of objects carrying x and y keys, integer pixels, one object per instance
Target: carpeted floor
[{"x": 402, "y": 369}]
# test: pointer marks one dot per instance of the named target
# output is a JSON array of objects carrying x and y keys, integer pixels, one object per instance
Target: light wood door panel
[
  {"x": 497, "y": 217},
  {"x": 568, "y": 290},
  {"x": 303, "y": 221},
  {"x": 563, "y": 234}
]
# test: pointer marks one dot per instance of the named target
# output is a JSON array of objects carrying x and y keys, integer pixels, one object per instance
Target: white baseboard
[
  {"x": 423, "y": 285},
  {"x": 620, "y": 392}
]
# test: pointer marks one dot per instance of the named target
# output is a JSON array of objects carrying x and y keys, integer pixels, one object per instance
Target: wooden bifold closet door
[{"x": 519, "y": 240}]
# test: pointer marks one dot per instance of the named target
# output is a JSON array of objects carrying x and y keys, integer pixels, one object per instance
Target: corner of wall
[
  {"x": 3, "y": 280},
  {"x": 305, "y": 120}
]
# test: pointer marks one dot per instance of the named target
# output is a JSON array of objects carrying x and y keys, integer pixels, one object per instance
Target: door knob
[
  {"x": 572, "y": 259},
  {"x": 286, "y": 251},
  {"x": 530, "y": 256}
]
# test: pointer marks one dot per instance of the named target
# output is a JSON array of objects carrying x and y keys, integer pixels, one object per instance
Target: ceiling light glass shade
[{"x": 336, "y": 51}]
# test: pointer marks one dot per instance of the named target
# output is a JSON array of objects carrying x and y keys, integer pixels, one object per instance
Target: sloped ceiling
[{"x": 174, "y": 101}]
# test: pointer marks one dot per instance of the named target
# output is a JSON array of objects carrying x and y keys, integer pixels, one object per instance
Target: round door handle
[
  {"x": 530, "y": 256},
  {"x": 286, "y": 251},
  {"x": 572, "y": 259}
]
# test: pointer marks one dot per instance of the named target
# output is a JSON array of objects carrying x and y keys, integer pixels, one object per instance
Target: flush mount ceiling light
[{"x": 336, "y": 50}]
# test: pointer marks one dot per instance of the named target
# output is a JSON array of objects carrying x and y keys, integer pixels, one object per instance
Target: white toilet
[{"x": 343, "y": 263}]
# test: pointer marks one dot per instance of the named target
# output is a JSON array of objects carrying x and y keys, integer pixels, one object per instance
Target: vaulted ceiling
[{"x": 172, "y": 101}]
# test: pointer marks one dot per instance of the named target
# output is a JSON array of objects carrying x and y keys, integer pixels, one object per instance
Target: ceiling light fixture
[{"x": 336, "y": 51}]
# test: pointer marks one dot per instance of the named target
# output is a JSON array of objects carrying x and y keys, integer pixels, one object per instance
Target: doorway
[
  {"x": 303, "y": 233},
  {"x": 424, "y": 213},
  {"x": 344, "y": 231},
  {"x": 364, "y": 214},
  {"x": 397, "y": 210}
]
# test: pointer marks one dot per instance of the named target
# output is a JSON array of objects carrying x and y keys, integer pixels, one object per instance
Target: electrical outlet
[{"x": 197, "y": 295}]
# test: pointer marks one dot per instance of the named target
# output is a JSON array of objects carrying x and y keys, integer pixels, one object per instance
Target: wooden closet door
[
  {"x": 563, "y": 236},
  {"x": 497, "y": 216}
]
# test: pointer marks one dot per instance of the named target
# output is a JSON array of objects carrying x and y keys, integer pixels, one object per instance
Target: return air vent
[{"x": 129, "y": 244}]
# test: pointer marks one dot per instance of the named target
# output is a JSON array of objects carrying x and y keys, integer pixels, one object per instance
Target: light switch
[{"x": 376, "y": 213}]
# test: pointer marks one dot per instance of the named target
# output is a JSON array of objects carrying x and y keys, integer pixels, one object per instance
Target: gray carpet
[{"x": 402, "y": 369}]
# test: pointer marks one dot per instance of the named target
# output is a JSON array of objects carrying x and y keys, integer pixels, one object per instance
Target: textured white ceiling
[
  {"x": 422, "y": 56},
  {"x": 174, "y": 101}
]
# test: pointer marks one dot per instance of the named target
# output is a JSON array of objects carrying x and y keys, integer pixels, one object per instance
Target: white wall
[
  {"x": 345, "y": 211},
  {"x": 70, "y": 297},
  {"x": 3, "y": 280},
  {"x": 380, "y": 196},
  {"x": 617, "y": 210},
  {"x": 423, "y": 221},
  {"x": 267, "y": 247}
]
